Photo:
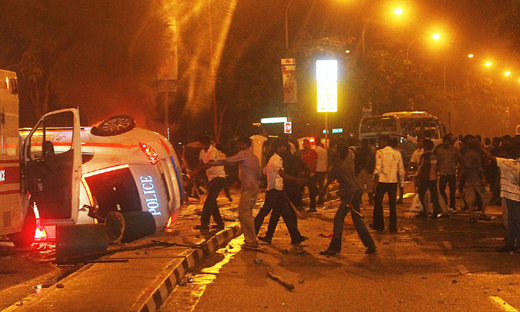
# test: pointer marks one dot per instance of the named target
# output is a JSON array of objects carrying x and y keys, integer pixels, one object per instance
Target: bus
[{"x": 406, "y": 126}]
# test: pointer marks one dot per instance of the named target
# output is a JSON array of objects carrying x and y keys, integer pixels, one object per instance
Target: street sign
[
  {"x": 287, "y": 127},
  {"x": 326, "y": 77}
]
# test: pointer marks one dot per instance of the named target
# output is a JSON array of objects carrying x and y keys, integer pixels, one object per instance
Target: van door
[{"x": 52, "y": 164}]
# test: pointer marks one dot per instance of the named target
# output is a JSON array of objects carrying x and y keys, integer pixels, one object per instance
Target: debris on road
[
  {"x": 285, "y": 284},
  {"x": 259, "y": 261}
]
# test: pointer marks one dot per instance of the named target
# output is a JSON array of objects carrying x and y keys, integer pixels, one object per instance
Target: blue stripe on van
[{"x": 179, "y": 177}]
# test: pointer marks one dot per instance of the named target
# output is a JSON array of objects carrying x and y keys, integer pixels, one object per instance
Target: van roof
[{"x": 409, "y": 114}]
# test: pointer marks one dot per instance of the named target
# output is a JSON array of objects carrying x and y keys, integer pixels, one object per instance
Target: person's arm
[
  {"x": 235, "y": 159},
  {"x": 400, "y": 170},
  {"x": 286, "y": 176},
  {"x": 486, "y": 153},
  {"x": 377, "y": 170}
]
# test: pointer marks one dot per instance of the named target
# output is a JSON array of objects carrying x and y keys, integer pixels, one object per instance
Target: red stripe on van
[{"x": 9, "y": 175}]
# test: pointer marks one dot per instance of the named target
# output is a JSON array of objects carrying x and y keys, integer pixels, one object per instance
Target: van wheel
[
  {"x": 114, "y": 126},
  {"x": 26, "y": 237}
]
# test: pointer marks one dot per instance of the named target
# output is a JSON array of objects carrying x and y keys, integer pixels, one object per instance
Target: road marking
[
  {"x": 447, "y": 245},
  {"x": 506, "y": 306},
  {"x": 462, "y": 269}
]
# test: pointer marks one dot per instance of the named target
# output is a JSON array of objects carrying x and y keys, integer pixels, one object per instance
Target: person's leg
[
  {"x": 513, "y": 227},
  {"x": 320, "y": 177},
  {"x": 392, "y": 197},
  {"x": 210, "y": 202},
  {"x": 339, "y": 223},
  {"x": 443, "y": 181},
  {"x": 312, "y": 185},
  {"x": 421, "y": 189},
  {"x": 360, "y": 226},
  {"x": 245, "y": 215},
  {"x": 269, "y": 202},
  {"x": 377, "y": 216},
  {"x": 226, "y": 190},
  {"x": 452, "y": 181},
  {"x": 432, "y": 186},
  {"x": 485, "y": 197},
  {"x": 504, "y": 211},
  {"x": 279, "y": 202},
  {"x": 469, "y": 199},
  {"x": 214, "y": 191},
  {"x": 291, "y": 222}
]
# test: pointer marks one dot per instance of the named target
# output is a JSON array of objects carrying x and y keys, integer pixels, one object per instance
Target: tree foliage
[{"x": 100, "y": 56}]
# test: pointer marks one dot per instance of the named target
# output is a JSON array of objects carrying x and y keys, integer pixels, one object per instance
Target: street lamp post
[
  {"x": 287, "y": 25},
  {"x": 408, "y": 50}
]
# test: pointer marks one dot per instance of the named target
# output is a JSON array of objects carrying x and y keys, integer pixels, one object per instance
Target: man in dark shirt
[
  {"x": 427, "y": 180},
  {"x": 350, "y": 193}
]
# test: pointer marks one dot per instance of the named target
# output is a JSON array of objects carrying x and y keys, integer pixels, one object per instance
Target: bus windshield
[{"x": 378, "y": 125}]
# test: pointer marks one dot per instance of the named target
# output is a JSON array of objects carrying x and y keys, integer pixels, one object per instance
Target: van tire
[
  {"x": 114, "y": 125},
  {"x": 26, "y": 237}
]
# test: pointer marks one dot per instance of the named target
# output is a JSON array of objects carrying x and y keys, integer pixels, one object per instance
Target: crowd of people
[{"x": 482, "y": 173}]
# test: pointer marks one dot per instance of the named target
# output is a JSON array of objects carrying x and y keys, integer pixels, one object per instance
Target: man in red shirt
[{"x": 310, "y": 158}]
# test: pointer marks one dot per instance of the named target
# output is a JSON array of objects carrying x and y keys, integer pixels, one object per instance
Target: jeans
[
  {"x": 245, "y": 215},
  {"x": 210, "y": 207},
  {"x": 432, "y": 186},
  {"x": 381, "y": 189},
  {"x": 320, "y": 180},
  {"x": 451, "y": 180},
  {"x": 339, "y": 222},
  {"x": 275, "y": 200},
  {"x": 312, "y": 185},
  {"x": 513, "y": 222}
]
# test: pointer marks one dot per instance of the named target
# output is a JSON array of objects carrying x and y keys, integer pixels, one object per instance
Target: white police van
[{"x": 68, "y": 174}]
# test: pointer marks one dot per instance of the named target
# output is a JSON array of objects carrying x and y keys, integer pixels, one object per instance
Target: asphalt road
[{"x": 429, "y": 265}]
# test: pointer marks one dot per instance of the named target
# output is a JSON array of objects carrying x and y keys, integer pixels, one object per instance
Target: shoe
[
  {"x": 485, "y": 217},
  {"x": 373, "y": 228},
  {"x": 421, "y": 215},
  {"x": 434, "y": 216},
  {"x": 506, "y": 248},
  {"x": 312, "y": 210},
  {"x": 444, "y": 215},
  {"x": 264, "y": 239},
  {"x": 472, "y": 220},
  {"x": 302, "y": 239},
  {"x": 328, "y": 253},
  {"x": 371, "y": 250},
  {"x": 202, "y": 227},
  {"x": 218, "y": 226},
  {"x": 453, "y": 209}
]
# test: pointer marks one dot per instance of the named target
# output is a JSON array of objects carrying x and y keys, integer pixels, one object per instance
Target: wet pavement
[{"x": 435, "y": 265}]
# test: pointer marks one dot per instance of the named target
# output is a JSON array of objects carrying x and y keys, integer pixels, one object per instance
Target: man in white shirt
[
  {"x": 510, "y": 191},
  {"x": 321, "y": 168},
  {"x": 388, "y": 173},
  {"x": 275, "y": 199},
  {"x": 216, "y": 179}
]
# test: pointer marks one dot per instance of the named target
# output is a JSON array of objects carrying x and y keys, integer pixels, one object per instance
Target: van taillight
[
  {"x": 150, "y": 153},
  {"x": 39, "y": 234}
]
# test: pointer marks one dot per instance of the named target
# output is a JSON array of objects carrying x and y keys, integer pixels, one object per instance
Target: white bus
[{"x": 406, "y": 126}]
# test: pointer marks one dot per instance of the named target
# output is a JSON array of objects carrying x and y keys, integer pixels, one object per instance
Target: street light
[
  {"x": 434, "y": 36},
  {"x": 397, "y": 11}
]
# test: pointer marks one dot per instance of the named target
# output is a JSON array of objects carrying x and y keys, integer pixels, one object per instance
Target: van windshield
[{"x": 378, "y": 125}]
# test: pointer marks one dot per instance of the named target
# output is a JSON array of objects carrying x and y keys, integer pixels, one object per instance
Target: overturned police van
[{"x": 60, "y": 173}]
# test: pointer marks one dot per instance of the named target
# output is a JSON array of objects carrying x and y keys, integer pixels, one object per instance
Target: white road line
[{"x": 504, "y": 305}]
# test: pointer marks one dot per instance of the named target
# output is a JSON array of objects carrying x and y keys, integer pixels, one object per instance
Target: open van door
[{"x": 52, "y": 166}]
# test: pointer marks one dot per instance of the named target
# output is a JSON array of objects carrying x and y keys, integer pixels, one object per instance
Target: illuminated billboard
[{"x": 327, "y": 79}]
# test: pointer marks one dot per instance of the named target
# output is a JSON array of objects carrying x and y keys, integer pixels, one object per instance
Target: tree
[{"x": 102, "y": 56}]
